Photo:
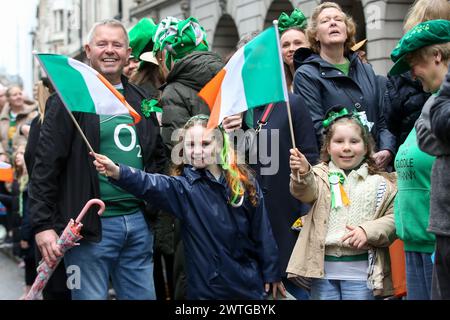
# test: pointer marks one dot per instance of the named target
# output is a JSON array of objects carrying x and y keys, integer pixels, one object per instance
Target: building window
[{"x": 58, "y": 16}]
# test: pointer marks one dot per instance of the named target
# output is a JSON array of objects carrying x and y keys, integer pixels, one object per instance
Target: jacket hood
[
  {"x": 307, "y": 56},
  {"x": 300, "y": 55},
  {"x": 196, "y": 69}
]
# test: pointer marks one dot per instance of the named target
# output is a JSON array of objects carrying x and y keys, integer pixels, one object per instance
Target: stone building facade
[{"x": 63, "y": 24}]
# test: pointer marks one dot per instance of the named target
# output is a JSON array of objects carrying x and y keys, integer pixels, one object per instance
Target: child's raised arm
[
  {"x": 163, "y": 192},
  {"x": 303, "y": 185}
]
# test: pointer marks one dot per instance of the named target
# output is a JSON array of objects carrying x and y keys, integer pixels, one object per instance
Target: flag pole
[
  {"x": 79, "y": 129},
  {"x": 64, "y": 103},
  {"x": 286, "y": 96}
]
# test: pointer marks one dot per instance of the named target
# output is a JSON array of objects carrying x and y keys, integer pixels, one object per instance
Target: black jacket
[
  {"x": 282, "y": 207},
  {"x": 321, "y": 86},
  {"x": 405, "y": 101},
  {"x": 64, "y": 177},
  {"x": 33, "y": 139}
]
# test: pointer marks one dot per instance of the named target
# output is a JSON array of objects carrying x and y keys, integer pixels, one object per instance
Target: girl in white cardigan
[{"x": 351, "y": 215}]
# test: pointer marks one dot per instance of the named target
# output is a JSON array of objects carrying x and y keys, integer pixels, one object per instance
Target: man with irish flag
[{"x": 105, "y": 107}]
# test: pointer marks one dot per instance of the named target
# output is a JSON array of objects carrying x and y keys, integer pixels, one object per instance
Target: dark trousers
[
  {"x": 163, "y": 285},
  {"x": 440, "y": 284},
  {"x": 179, "y": 265},
  {"x": 56, "y": 288},
  {"x": 30, "y": 270}
]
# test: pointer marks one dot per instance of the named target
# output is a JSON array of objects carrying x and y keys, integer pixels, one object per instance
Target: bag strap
[{"x": 264, "y": 117}]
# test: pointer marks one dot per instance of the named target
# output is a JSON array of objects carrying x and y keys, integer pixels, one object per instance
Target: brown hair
[
  {"x": 148, "y": 72},
  {"x": 244, "y": 173},
  {"x": 420, "y": 55},
  {"x": 365, "y": 135},
  {"x": 18, "y": 171},
  {"x": 424, "y": 10},
  {"x": 311, "y": 32},
  {"x": 289, "y": 75},
  {"x": 287, "y": 70}
]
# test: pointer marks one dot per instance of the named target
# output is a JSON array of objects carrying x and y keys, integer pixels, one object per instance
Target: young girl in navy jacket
[{"x": 229, "y": 246}]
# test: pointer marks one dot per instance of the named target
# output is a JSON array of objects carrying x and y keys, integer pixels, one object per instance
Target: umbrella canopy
[{"x": 68, "y": 239}]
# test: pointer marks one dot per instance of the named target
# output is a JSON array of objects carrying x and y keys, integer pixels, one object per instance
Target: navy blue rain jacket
[{"x": 230, "y": 252}]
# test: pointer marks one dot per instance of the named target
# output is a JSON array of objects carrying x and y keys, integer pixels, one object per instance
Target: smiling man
[{"x": 119, "y": 244}]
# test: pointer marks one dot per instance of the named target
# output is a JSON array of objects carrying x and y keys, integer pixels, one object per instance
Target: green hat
[
  {"x": 140, "y": 36},
  {"x": 179, "y": 38},
  {"x": 297, "y": 19},
  {"x": 422, "y": 35}
]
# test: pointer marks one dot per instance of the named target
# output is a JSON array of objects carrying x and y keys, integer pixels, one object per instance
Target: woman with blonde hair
[
  {"x": 331, "y": 72},
  {"x": 13, "y": 118},
  {"x": 424, "y": 10},
  {"x": 43, "y": 89}
]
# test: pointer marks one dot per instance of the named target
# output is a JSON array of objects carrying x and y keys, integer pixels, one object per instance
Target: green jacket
[
  {"x": 179, "y": 99},
  {"x": 412, "y": 204}
]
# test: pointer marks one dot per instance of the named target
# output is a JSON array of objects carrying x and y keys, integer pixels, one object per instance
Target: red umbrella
[{"x": 66, "y": 241}]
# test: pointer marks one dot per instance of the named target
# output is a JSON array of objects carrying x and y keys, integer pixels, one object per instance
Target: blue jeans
[
  {"x": 324, "y": 289},
  {"x": 125, "y": 254},
  {"x": 419, "y": 271}
]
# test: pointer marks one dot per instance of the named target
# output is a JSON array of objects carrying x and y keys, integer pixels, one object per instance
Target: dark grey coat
[
  {"x": 179, "y": 99},
  {"x": 435, "y": 122}
]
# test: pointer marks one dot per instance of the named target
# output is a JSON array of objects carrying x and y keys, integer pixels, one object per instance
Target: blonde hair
[
  {"x": 14, "y": 86},
  {"x": 42, "y": 95},
  {"x": 148, "y": 72},
  {"x": 311, "y": 31},
  {"x": 235, "y": 174},
  {"x": 424, "y": 10}
]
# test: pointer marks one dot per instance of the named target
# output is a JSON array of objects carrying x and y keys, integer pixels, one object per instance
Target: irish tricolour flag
[
  {"x": 83, "y": 89},
  {"x": 253, "y": 77}
]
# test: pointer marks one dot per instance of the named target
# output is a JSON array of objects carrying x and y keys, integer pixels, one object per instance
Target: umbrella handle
[{"x": 88, "y": 205}]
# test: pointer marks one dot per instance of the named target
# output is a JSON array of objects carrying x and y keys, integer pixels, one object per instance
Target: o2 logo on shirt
[{"x": 132, "y": 144}]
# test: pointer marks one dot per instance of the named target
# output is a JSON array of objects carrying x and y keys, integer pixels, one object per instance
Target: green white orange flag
[
  {"x": 83, "y": 89},
  {"x": 253, "y": 77},
  {"x": 6, "y": 172}
]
